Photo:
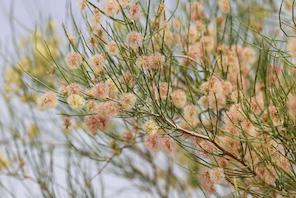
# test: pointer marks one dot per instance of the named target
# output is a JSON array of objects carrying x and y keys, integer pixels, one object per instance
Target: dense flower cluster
[{"x": 185, "y": 85}]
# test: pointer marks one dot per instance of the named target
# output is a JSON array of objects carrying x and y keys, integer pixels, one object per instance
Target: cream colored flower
[
  {"x": 76, "y": 101},
  {"x": 150, "y": 127},
  {"x": 128, "y": 100},
  {"x": 134, "y": 39},
  {"x": 73, "y": 60},
  {"x": 97, "y": 63},
  {"x": 224, "y": 6},
  {"x": 112, "y": 48},
  {"x": 179, "y": 98}
]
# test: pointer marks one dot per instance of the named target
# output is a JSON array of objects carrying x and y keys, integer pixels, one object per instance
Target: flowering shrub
[{"x": 196, "y": 81}]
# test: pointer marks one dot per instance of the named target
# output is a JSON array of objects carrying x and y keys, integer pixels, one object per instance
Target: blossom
[
  {"x": 135, "y": 11},
  {"x": 112, "y": 48},
  {"x": 128, "y": 100},
  {"x": 47, "y": 101},
  {"x": 96, "y": 18},
  {"x": 113, "y": 90},
  {"x": 248, "y": 55},
  {"x": 72, "y": 88},
  {"x": 128, "y": 79},
  {"x": 134, "y": 39},
  {"x": 190, "y": 113},
  {"x": 208, "y": 43},
  {"x": 196, "y": 10},
  {"x": 67, "y": 123},
  {"x": 179, "y": 98},
  {"x": 150, "y": 127},
  {"x": 101, "y": 90},
  {"x": 97, "y": 63},
  {"x": 163, "y": 90},
  {"x": 229, "y": 144},
  {"x": 109, "y": 108},
  {"x": 128, "y": 136},
  {"x": 257, "y": 103},
  {"x": 72, "y": 39},
  {"x": 111, "y": 7},
  {"x": 83, "y": 4},
  {"x": 207, "y": 147},
  {"x": 217, "y": 175},
  {"x": 153, "y": 61},
  {"x": 152, "y": 141},
  {"x": 91, "y": 106},
  {"x": 73, "y": 60},
  {"x": 216, "y": 100},
  {"x": 224, "y": 6},
  {"x": 206, "y": 182},
  {"x": 76, "y": 101},
  {"x": 96, "y": 122},
  {"x": 167, "y": 144},
  {"x": 282, "y": 162},
  {"x": 266, "y": 173}
]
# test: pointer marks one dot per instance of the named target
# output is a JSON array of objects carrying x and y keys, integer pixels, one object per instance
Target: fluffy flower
[
  {"x": 152, "y": 142},
  {"x": 249, "y": 128},
  {"x": 47, "y": 101},
  {"x": 76, "y": 101},
  {"x": 112, "y": 48},
  {"x": 128, "y": 136},
  {"x": 190, "y": 113},
  {"x": 72, "y": 39},
  {"x": 97, "y": 63},
  {"x": 266, "y": 173},
  {"x": 179, "y": 98},
  {"x": 73, "y": 88},
  {"x": 101, "y": 91},
  {"x": 83, "y": 4},
  {"x": 282, "y": 162},
  {"x": 109, "y": 108},
  {"x": 134, "y": 39},
  {"x": 248, "y": 55},
  {"x": 96, "y": 122},
  {"x": 207, "y": 147},
  {"x": 113, "y": 90},
  {"x": 128, "y": 100},
  {"x": 153, "y": 61},
  {"x": 196, "y": 10},
  {"x": 163, "y": 90},
  {"x": 206, "y": 182},
  {"x": 73, "y": 60},
  {"x": 135, "y": 11},
  {"x": 167, "y": 144},
  {"x": 217, "y": 175},
  {"x": 91, "y": 106},
  {"x": 111, "y": 7},
  {"x": 224, "y": 6},
  {"x": 150, "y": 127}
]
